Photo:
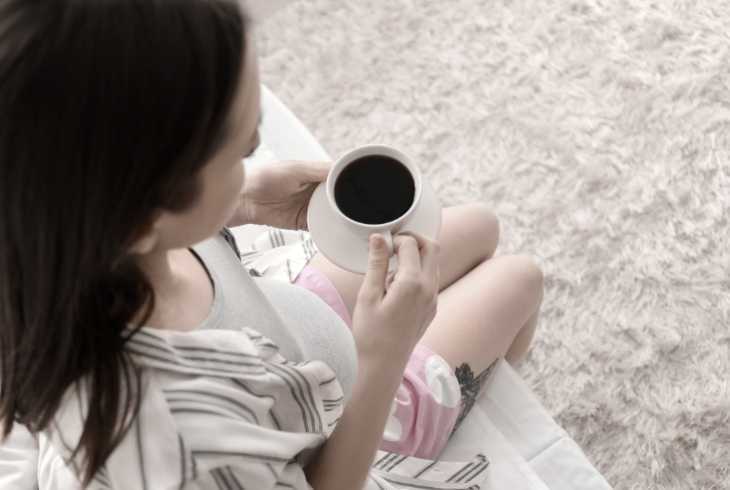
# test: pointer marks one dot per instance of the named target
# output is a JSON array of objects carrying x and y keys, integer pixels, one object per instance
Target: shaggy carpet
[{"x": 599, "y": 132}]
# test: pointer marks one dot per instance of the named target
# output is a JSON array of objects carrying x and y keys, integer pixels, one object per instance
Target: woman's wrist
[
  {"x": 392, "y": 356},
  {"x": 383, "y": 364}
]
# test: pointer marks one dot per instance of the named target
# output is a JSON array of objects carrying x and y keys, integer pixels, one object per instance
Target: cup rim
[{"x": 367, "y": 150}]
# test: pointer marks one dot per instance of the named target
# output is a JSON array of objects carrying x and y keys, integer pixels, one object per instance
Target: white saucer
[{"x": 349, "y": 250}]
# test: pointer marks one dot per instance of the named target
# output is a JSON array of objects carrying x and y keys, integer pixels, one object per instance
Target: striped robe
[
  {"x": 277, "y": 253},
  {"x": 222, "y": 410}
]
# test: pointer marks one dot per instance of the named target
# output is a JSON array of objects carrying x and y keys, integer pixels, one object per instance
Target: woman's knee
[
  {"x": 525, "y": 276},
  {"x": 483, "y": 227}
]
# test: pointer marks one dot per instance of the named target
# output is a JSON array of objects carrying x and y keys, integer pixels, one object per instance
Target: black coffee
[{"x": 374, "y": 189}]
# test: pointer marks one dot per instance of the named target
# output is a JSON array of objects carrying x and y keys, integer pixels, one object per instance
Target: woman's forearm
[{"x": 344, "y": 460}]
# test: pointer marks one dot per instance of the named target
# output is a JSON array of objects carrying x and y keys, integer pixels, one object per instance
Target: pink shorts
[{"x": 428, "y": 401}]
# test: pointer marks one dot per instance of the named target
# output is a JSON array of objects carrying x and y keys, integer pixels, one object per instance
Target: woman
[{"x": 133, "y": 346}]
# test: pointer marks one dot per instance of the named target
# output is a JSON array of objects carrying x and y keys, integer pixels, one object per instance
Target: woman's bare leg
[
  {"x": 488, "y": 307},
  {"x": 518, "y": 350},
  {"x": 491, "y": 312}
]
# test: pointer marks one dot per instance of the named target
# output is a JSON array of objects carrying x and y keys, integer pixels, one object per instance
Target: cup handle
[{"x": 388, "y": 236}]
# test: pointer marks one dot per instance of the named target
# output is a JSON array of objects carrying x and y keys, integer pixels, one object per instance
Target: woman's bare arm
[
  {"x": 344, "y": 461},
  {"x": 387, "y": 324}
]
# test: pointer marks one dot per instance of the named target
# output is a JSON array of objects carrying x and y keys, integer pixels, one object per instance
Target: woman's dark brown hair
[{"x": 108, "y": 110}]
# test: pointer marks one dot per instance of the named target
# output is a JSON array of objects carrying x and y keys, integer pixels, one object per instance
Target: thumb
[{"x": 374, "y": 283}]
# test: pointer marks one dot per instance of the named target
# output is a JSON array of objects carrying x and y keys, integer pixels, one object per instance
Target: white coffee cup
[{"x": 387, "y": 230}]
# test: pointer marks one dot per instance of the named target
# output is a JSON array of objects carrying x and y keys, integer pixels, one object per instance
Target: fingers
[
  {"x": 373, "y": 286},
  {"x": 389, "y": 280},
  {"x": 417, "y": 263},
  {"x": 409, "y": 259},
  {"x": 429, "y": 253}
]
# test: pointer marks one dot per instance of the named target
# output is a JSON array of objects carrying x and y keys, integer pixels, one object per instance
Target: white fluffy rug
[{"x": 599, "y": 131}]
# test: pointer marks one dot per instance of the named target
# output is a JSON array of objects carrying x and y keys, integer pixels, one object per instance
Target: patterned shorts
[{"x": 431, "y": 400}]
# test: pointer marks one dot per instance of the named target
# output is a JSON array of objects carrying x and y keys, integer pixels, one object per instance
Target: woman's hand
[
  {"x": 278, "y": 194},
  {"x": 388, "y": 321},
  {"x": 391, "y": 314}
]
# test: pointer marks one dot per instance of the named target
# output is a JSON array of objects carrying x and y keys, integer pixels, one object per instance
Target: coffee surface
[{"x": 374, "y": 189}]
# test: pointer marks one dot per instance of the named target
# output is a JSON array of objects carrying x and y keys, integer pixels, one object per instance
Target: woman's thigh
[
  {"x": 469, "y": 235},
  {"x": 480, "y": 315}
]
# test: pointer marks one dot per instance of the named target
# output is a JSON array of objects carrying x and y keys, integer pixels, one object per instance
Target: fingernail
[{"x": 376, "y": 240}]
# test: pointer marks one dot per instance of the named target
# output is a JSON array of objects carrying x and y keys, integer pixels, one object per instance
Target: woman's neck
[
  {"x": 165, "y": 277},
  {"x": 163, "y": 270},
  {"x": 183, "y": 291}
]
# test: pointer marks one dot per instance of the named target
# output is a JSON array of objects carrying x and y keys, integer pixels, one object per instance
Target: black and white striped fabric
[
  {"x": 223, "y": 410},
  {"x": 278, "y": 253}
]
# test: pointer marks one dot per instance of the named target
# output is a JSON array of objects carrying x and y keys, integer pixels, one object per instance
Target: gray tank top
[{"x": 297, "y": 320}]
